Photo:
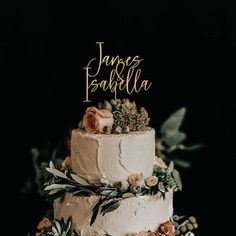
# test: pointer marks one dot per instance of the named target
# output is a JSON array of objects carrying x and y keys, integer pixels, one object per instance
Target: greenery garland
[{"x": 110, "y": 195}]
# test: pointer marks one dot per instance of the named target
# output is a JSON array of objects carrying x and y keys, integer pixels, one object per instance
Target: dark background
[{"x": 189, "y": 54}]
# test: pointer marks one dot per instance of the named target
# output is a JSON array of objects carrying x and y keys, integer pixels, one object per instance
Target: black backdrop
[{"x": 187, "y": 48}]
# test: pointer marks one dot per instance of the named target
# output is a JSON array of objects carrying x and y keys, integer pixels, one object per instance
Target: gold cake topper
[{"x": 123, "y": 76}]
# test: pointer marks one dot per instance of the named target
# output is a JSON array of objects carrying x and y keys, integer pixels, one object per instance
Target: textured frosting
[
  {"x": 115, "y": 157},
  {"x": 133, "y": 215}
]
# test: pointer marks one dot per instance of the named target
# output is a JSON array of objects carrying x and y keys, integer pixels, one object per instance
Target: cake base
[{"x": 133, "y": 215}]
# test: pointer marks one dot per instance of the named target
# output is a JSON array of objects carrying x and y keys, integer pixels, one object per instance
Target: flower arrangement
[
  {"x": 173, "y": 227},
  {"x": 117, "y": 116},
  {"x": 177, "y": 225},
  {"x": 55, "y": 228}
]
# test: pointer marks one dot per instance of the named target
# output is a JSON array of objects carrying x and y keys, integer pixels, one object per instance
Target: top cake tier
[{"x": 112, "y": 156}]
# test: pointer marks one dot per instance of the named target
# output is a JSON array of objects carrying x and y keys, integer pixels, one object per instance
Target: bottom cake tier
[{"x": 133, "y": 215}]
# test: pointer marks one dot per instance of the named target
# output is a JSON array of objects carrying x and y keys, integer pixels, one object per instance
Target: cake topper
[{"x": 123, "y": 74}]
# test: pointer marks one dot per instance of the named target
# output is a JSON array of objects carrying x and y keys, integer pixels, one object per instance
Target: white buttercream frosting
[
  {"x": 115, "y": 157},
  {"x": 133, "y": 215}
]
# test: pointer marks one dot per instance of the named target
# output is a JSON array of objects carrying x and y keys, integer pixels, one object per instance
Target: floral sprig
[
  {"x": 55, "y": 228},
  {"x": 163, "y": 179},
  {"x": 117, "y": 116},
  {"x": 177, "y": 225},
  {"x": 184, "y": 225}
]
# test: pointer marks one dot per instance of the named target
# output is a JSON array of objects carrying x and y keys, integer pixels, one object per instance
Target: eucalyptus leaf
[
  {"x": 57, "y": 173},
  {"x": 177, "y": 178},
  {"x": 79, "y": 179},
  {"x": 173, "y": 123}
]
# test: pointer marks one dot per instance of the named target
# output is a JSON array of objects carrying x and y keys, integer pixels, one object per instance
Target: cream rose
[
  {"x": 95, "y": 120},
  {"x": 151, "y": 181},
  {"x": 136, "y": 179},
  {"x": 167, "y": 228}
]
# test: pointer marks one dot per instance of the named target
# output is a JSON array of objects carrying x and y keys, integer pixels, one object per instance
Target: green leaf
[
  {"x": 106, "y": 192},
  {"x": 192, "y": 147},
  {"x": 170, "y": 167},
  {"x": 53, "y": 191},
  {"x": 174, "y": 138},
  {"x": 173, "y": 123},
  {"x": 68, "y": 225},
  {"x": 57, "y": 173},
  {"x": 111, "y": 206},
  {"x": 177, "y": 178},
  {"x": 161, "y": 187},
  {"x": 57, "y": 186},
  {"x": 54, "y": 230},
  {"x": 96, "y": 210},
  {"x": 182, "y": 163},
  {"x": 58, "y": 227},
  {"x": 79, "y": 179},
  {"x": 52, "y": 165},
  {"x": 128, "y": 195},
  {"x": 88, "y": 191}
]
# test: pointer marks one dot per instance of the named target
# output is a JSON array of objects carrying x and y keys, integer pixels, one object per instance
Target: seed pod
[
  {"x": 195, "y": 225},
  {"x": 192, "y": 219},
  {"x": 183, "y": 229},
  {"x": 189, "y": 226},
  {"x": 175, "y": 217}
]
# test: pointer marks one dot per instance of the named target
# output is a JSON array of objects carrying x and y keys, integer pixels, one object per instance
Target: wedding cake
[{"x": 113, "y": 183}]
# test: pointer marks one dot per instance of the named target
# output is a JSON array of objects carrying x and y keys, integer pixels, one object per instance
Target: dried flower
[
  {"x": 151, "y": 181},
  {"x": 95, "y": 120},
  {"x": 167, "y": 228},
  {"x": 142, "y": 119},
  {"x": 136, "y": 179},
  {"x": 44, "y": 223},
  {"x": 66, "y": 164},
  {"x": 119, "y": 118}
]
